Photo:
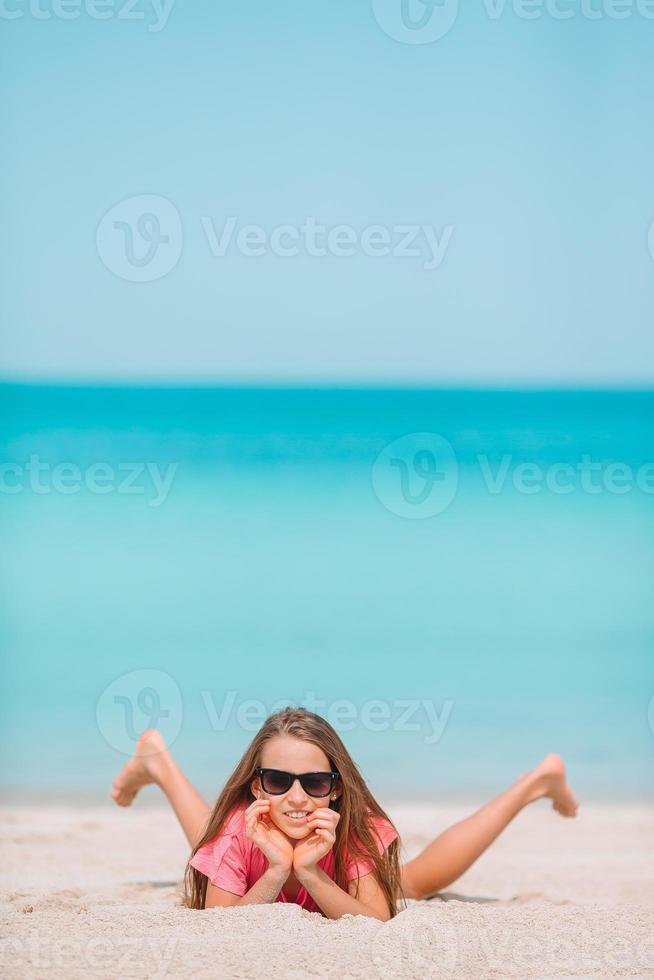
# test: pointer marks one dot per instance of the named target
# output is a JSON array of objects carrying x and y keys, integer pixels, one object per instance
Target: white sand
[{"x": 94, "y": 892}]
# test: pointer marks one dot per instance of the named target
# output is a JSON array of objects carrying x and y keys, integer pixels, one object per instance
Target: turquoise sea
[{"x": 459, "y": 603}]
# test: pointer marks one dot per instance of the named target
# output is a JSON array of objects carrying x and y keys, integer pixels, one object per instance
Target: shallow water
[{"x": 455, "y": 616}]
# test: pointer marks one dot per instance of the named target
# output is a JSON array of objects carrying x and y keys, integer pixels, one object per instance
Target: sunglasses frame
[{"x": 334, "y": 776}]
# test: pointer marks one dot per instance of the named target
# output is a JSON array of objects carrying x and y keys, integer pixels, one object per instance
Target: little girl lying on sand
[{"x": 295, "y": 822}]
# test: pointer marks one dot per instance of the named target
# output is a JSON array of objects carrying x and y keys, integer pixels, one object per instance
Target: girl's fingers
[
  {"x": 315, "y": 821},
  {"x": 325, "y": 811},
  {"x": 319, "y": 836},
  {"x": 323, "y": 814},
  {"x": 257, "y": 826},
  {"x": 253, "y": 820},
  {"x": 253, "y": 816},
  {"x": 257, "y": 805}
]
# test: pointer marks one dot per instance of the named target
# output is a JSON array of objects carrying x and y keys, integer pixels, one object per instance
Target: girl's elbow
[{"x": 383, "y": 915}]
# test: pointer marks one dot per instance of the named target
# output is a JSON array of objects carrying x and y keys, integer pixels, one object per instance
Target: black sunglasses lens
[
  {"x": 318, "y": 784},
  {"x": 275, "y": 782}
]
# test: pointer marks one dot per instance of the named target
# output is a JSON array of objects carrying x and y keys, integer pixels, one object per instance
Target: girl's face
[{"x": 293, "y": 755}]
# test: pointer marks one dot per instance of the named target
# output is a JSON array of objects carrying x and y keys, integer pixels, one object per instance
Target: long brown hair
[{"x": 356, "y": 805}]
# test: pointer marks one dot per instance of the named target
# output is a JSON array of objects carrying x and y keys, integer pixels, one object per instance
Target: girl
[{"x": 295, "y": 822}]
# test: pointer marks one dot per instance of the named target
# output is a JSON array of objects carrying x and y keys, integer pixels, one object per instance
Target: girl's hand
[
  {"x": 311, "y": 849},
  {"x": 269, "y": 839}
]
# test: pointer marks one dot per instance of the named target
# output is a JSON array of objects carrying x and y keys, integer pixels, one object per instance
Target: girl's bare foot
[
  {"x": 142, "y": 769},
  {"x": 548, "y": 780}
]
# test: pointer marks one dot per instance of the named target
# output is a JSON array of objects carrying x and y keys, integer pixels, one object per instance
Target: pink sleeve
[
  {"x": 222, "y": 861},
  {"x": 385, "y": 835}
]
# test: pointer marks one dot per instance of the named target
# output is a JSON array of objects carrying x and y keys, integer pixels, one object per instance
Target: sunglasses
[{"x": 276, "y": 781}]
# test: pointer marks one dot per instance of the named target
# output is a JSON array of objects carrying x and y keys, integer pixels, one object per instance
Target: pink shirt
[{"x": 232, "y": 862}]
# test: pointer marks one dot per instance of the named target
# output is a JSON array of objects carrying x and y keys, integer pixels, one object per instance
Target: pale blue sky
[{"x": 525, "y": 146}]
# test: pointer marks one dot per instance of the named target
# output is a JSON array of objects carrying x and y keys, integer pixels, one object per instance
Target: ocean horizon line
[{"x": 324, "y": 385}]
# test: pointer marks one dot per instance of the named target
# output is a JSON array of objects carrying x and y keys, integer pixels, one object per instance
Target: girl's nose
[{"x": 296, "y": 794}]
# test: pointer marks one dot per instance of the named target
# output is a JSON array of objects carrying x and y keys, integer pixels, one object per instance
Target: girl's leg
[
  {"x": 455, "y": 850},
  {"x": 153, "y": 763}
]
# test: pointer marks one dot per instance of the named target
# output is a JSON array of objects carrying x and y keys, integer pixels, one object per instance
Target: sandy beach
[{"x": 93, "y": 891}]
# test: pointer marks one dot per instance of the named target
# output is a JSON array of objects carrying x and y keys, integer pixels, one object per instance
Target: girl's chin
[{"x": 298, "y": 834}]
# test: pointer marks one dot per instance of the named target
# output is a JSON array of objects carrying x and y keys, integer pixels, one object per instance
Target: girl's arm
[
  {"x": 277, "y": 850},
  {"x": 335, "y": 902},
  {"x": 328, "y": 896},
  {"x": 265, "y": 890}
]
